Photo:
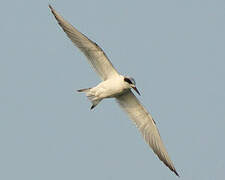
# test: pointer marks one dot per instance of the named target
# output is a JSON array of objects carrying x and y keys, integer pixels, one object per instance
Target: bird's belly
[
  {"x": 114, "y": 93},
  {"x": 109, "y": 90}
]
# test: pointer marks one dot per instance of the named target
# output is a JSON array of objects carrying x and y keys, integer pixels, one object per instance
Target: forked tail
[{"x": 90, "y": 96}]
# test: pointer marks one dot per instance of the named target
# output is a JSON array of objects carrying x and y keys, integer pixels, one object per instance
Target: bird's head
[{"x": 131, "y": 83}]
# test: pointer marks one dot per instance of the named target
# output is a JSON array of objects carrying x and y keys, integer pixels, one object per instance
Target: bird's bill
[{"x": 136, "y": 90}]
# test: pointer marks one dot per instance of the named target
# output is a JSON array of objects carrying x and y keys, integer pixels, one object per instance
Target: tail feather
[
  {"x": 90, "y": 96},
  {"x": 94, "y": 100},
  {"x": 95, "y": 103},
  {"x": 84, "y": 90}
]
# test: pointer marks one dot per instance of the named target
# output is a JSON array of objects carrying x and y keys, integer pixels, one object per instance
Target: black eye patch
[{"x": 128, "y": 80}]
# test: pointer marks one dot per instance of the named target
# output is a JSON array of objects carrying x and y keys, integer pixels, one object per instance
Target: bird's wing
[
  {"x": 92, "y": 51},
  {"x": 146, "y": 125}
]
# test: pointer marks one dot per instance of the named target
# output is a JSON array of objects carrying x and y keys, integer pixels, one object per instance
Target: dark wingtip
[
  {"x": 176, "y": 173},
  {"x": 49, "y": 5},
  {"x": 52, "y": 9}
]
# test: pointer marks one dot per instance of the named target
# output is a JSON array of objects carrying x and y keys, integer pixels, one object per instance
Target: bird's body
[
  {"x": 116, "y": 86},
  {"x": 110, "y": 88}
]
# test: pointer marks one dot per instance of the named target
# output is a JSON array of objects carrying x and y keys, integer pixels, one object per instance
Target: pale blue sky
[{"x": 174, "y": 49}]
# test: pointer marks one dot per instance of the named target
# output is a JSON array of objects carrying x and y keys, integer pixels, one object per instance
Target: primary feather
[
  {"x": 91, "y": 50},
  {"x": 146, "y": 125}
]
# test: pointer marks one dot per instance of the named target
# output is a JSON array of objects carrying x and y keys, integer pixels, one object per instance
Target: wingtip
[
  {"x": 49, "y": 5},
  {"x": 176, "y": 173},
  {"x": 54, "y": 13},
  {"x": 51, "y": 8}
]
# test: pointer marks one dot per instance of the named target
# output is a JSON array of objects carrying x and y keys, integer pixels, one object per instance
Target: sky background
[{"x": 174, "y": 50}]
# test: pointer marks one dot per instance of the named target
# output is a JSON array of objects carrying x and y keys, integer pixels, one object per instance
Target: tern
[{"x": 116, "y": 86}]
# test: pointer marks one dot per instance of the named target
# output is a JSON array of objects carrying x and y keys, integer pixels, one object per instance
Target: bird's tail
[
  {"x": 95, "y": 100},
  {"x": 84, "y": 90}
]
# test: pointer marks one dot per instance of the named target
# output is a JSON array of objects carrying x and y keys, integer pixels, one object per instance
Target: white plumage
[{"x": 114, "y": 85}]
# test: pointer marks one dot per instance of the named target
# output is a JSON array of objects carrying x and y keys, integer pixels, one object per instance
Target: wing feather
[
  {"x": 146, "y": 125},
  {"x": 91, "y": 50}
]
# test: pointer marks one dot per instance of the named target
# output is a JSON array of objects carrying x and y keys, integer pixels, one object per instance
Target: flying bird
[{"x": 116, "y": 86}]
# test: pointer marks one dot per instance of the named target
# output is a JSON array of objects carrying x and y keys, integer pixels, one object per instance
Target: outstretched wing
[
  {"x": 91, "y": 50},
  {"x": 146, "y": 125}
]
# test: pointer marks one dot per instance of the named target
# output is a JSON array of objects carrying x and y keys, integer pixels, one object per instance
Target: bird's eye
[{"x": 128, "y": 80}]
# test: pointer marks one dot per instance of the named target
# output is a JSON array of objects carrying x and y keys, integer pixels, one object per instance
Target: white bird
[{"x": 114, "y": 85}]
